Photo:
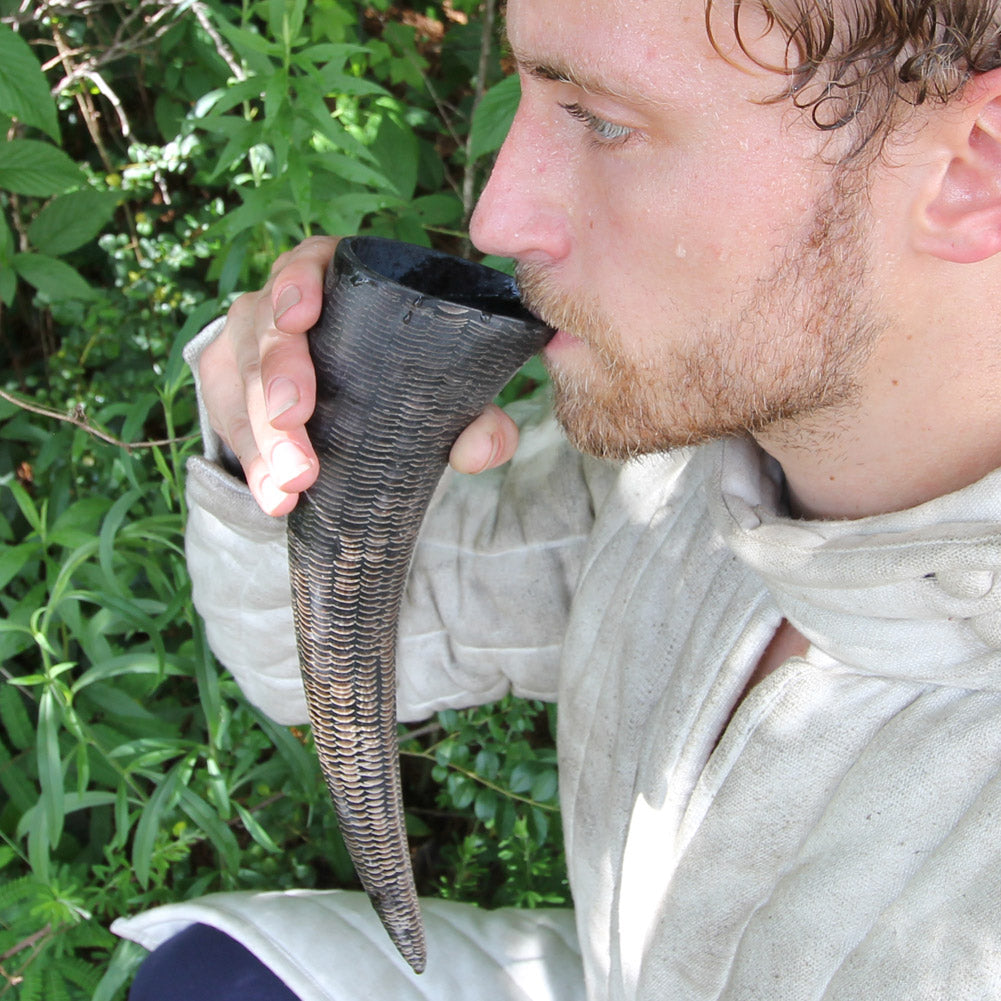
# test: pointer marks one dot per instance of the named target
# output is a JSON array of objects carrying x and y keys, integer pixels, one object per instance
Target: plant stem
[
  {"x": 486, "y": 48},
  {"x": 500, "y": 790},
  {"x": 80, "y": 421}
]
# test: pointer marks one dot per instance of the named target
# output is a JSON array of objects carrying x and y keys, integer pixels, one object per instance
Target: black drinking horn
[{"x": 410, "y": 347}]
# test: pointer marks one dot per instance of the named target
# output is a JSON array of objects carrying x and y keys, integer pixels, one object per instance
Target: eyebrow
[{"x": 560, "y": 72}]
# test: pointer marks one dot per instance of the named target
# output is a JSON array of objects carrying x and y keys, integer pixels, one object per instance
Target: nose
[{"x": 524, "y": 210}]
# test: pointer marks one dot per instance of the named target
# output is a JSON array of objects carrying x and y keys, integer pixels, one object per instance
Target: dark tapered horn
[{"x": 410, "y": 347}]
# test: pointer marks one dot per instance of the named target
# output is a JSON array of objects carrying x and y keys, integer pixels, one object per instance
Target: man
[{"x": 779, "y": 652}]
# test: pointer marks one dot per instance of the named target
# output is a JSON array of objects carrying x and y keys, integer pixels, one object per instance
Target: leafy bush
[{"x": 158, "y": 157}]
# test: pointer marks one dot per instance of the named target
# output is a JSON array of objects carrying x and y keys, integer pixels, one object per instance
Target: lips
[{"x": 562, "y": 340}]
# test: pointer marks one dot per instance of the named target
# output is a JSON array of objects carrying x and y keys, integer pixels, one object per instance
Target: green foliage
[
  {"x": 498, "y": 762},
  {"x": 159, "y": 156},
  {"x": 37, "y": 168}
]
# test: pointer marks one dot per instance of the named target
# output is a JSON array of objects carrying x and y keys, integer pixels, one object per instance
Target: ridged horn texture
[{"x": 410, "y": 346}]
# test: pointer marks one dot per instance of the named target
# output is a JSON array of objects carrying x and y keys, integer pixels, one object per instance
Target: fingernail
[
  {"x": 495, "y": 447},
  {"x": 288, "y": 298},
  {"x": 270, "y": 495},
  {"x": 287, "y": 462},
  {"x": 283, "y": 394}
]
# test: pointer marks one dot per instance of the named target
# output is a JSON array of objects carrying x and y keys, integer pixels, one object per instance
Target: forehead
[{"x": 657, "y": 50}]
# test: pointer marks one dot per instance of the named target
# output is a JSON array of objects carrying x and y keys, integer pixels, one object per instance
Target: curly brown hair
[{"x": 860, "y": 62}]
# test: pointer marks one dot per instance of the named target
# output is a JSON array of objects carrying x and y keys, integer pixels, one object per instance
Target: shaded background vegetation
[{"x": 158, "y": 155}]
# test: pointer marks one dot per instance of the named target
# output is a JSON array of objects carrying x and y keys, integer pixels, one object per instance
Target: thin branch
[
  {"x": 26, "y": 943},
  {"x": 113, "y": 99},
  {"x": 500, "y": 790},
  {"x": 486, "y": 48},
  {"x": 80, "y": 421},
  {"x": 422, "y": 731},
  {"x": 221, "y": 47}
]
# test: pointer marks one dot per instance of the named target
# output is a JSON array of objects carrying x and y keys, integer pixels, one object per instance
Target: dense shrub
[{"x": 158, "y": 156}]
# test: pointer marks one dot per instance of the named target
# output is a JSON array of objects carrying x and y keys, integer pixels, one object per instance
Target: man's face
[{"x": 704, "y": 266}]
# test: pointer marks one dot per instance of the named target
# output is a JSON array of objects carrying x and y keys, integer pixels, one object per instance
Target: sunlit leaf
[
  {"x": 24, "y": 91},
  {"x": 32, "y": 167}
]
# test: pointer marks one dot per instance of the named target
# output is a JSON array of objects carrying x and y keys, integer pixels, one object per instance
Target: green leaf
[
  {"x": 24, "y": 91},
  {"x": 540, "y": 823},
  {"x": 109, "y": 533},
  {"x": 485, "y": 807},
  {"x": 285, "y": 19},
  {"x": 344, "y": 168},
  {"x": 257, "y": 832},
  {"x": 6, "y": 239},
  {"x": 461, "y": 789},
  {"x": 442, "y": 209},
  {"x": 545, "y": 785},
  {"x": 55, "y": 279},
  {"x": 50, "y": 767},
  {"x": 13, "y": 560},
  {"x": 31, "y": 167},
  {"x": 522, "y": 777},
  {"x": 14, "y": 717},
  {"x": 151, "y": 820},
  {"x": 328, "y": 54},
  {"x": 21, "y": 792},
  {"x": 8, "y": 285},
  {"x": 335, "y": 81},
  {"x": 74, "y": 801},
  {"x": 71, "y": 220},
  {"x": 77, "y": 524},
  {"x": 209, "y": 823},
  {"x": 131, "y": 664},
  {"x": 344, "y": 214},
  {"x": 257, "y": 207},
  {"x": 488, "y": 764},
  {"x": 396, "y": 152},
  {"x": 250, "y": 46},
  {"x": 299, "y": 760},
  {"x": 32, "y": 514},
  {"x": 120, "y": 971},
  {"x": 493, "y": 116}
]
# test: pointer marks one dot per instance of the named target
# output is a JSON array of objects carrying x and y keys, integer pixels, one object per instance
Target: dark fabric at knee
[{"x": 204, "y": 964}]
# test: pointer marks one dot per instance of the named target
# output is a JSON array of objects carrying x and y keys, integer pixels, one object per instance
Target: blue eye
[{"x": 607, "y": 132}]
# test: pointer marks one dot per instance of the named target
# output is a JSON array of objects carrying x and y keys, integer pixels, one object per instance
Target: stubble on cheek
[
  {"x": 617, "y": 404},
  {"x": 791, "y": 344},
  {"x": 595, "y": 392}
]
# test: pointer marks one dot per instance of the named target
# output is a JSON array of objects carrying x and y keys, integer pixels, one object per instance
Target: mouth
[{"x": 562, "y": 340}]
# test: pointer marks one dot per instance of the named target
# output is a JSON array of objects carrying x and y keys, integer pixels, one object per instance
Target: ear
[{"x": 959, "y": 217}]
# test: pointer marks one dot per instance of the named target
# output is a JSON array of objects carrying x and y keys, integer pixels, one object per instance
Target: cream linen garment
[{"x": 833, "y": 835}]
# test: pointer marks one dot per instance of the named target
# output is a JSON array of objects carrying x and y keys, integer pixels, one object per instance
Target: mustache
[{"x": 576, "y": 314}]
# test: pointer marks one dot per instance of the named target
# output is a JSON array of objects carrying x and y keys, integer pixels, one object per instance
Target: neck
[{"x": 921, "y": 427}]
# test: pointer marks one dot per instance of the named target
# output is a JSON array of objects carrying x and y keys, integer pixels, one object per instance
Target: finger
[
  {"x": 274, "y": 458},
  {"x": 489, "y": 441},
  {"x": 272, "y": 498},
  {"x": 278, "y": 464},
  {"x": 277, "y": 468},
  {"x": 294, "y": 299},
  {"x": 296, "y": 284},
  {"x": 277, "y": 364}
]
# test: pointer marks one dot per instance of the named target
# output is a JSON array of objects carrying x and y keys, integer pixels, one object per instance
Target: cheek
[
  {"x": 656, "y": 249},
  {"x": 703, "y": 227}
]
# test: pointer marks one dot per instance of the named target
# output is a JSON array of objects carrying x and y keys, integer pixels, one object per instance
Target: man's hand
[{"x": 259, "y": 386}]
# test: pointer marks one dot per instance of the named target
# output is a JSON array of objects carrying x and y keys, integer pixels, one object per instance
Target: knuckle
[
  {"x": 311, "y": 246},
  {"x": 250, "y": 371},
  {"x": 281, "y": 261},
  {"x": 242, "y": 306}
]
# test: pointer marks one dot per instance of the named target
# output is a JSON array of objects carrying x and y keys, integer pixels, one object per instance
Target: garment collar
[{"x": 913, "y": 594}]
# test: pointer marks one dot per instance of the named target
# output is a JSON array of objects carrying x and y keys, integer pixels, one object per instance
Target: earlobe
[{"x": 960, "y": 219}]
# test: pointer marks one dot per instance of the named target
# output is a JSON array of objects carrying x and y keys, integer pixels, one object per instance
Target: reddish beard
[
  {"x": 597, "y": 397},
  {"x": 794, "y": 344}
]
